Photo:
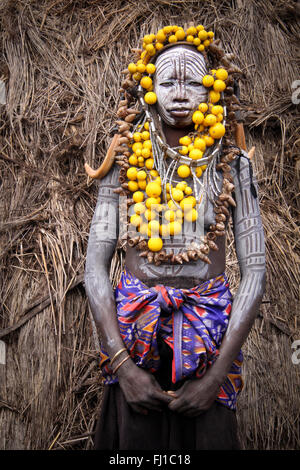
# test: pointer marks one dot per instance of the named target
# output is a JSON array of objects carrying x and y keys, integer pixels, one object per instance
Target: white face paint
[{"x": 178, "y": 85}]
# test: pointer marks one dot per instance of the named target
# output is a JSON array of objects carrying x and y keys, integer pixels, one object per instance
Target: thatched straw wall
[{"x": 61, "y": 65}]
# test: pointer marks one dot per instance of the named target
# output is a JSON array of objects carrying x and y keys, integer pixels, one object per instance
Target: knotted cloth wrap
[{"x": 191, "y": 321}]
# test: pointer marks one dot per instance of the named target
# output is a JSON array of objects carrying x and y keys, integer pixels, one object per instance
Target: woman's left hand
[{"x": 195, "y": 396}]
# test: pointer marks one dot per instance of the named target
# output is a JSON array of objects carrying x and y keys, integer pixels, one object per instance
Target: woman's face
[{"x": 178, "y": 85}]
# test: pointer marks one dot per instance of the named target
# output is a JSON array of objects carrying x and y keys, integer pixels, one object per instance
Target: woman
[{"x": 171, "y": 357}]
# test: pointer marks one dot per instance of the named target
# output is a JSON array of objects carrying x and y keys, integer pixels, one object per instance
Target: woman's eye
[
  {"x": 166, "y": 84},
  {"x": 195, "y": 83}
]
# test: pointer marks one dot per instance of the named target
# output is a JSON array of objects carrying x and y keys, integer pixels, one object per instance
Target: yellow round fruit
[
  {"x": 143, "y": 229},
  {"x": 191, "y": 30},
  {"x": 155, "y": 244},
  {"x": 186, "y": 205},
  {"x": 175, "y": 227},
  {"x": 200, "y": 48},
  {"x": 169, "y": 215},
  {"x": 196, "y": 154},
  {"x": 146, "y": 152},
  {"x": 142, "y": 184},
  {"x": 221, "y": 74},
  {"x": 210, "y": 120},
  {"x": 200, "y": 144},
  {"x": 203, "y": 107},
  {"x": 181, "y": 185},
  {"x": 149, "y": 163},
  {"x": 200, "y": 27},
  {"x": 206, "y": 42},
  {"x": 132, "y": 68},
  {"x": 133, "y": 160},
  {"x": 150, "y": 68},
  {"x": 153, "y": 227},
  {"x": 141, "y": 68},
  {"x": 179, "y": 214},
  {"x": 132, "y": 173},
  {"x": 219, "y": 85},
  {"x": 204, "y": 167},
  {"x": 154, "y": 173},
  {"x": 177, "y": 194},
  {"x": 208, "y": 81},
  {"x": 186, "y": 140},
  {"x": 133, "y": 186},
  {"x": 150, "y": 97},
  {"x": 147, "y": 39},
  {"x": 153, "y": 189},
  {"x": 137, "y": 136},
  {"x": 202, "y": 35},
  {"x": 145, "y": 135},
  {"x": 164, "y": 230},
  {"x": 151, "y": 201},
  {"x": 196, "y": 42},
  {"x": 198, "y": 117},
  {"x": 210, "y": 34},
  {"x": 137, "y": 76},
  {"x": 172, "y": 205},
  {"x": 183, "y": 171},
  {"x": 141, "y": 175},
  {"x": 180, "y": 34},
  {"x": 208, "y": 140},
  {"x": 188, "y": 190},
  {"x": 138, "y": 196},
  {"x": 172, "y": 38},
  {"x": 217, "y": 109},
  {"x": 146, "y": 125},
  {"x": 214, "y": 96},
  {"x": 149, "y": 214},
  {"x": 190, "y": 38},
  {"x": 135, "y": 220},
  {"x": 160, "y": 36},
  {"x": 150, "y": 49},
  {"x": 192, "y": 200},
  {"x": 220, "y": 117},
  {"x": 217, "y": 131},
  {"x": 147, "y": 143},
  {"x": 191, "y": 216},
  {"x": 159, "y": 46},
  {"x": 137, "y": 146},
  {"x": 146, "y": 82},
  {"x": 184, "y": 150},
  {"x": 199, "y": 172},
  {"x": 139, "y": 208}
]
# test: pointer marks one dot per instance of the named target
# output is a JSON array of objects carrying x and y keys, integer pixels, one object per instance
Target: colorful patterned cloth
[{"x": 191, "y": 321}]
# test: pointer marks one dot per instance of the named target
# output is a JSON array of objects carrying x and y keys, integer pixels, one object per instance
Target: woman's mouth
[{"x": 179, "y": 112}]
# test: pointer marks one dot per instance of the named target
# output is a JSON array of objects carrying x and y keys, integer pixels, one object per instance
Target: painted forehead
[{"x": 182, "y": 62}]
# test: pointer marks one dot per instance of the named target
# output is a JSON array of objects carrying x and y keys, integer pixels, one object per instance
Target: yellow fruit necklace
[{"x": 158, "y": 208}]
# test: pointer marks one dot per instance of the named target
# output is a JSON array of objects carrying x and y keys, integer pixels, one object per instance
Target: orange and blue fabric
[{"x": 191, "y": 321}]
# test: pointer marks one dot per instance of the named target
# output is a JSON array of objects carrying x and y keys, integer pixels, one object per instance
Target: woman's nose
[{"x": 180, "y": 92}]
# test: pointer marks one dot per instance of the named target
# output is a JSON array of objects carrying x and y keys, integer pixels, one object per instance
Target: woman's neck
[{"x": 173, "y": 134}]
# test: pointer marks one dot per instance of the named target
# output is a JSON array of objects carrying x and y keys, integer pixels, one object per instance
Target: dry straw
[{"x": 61, "y": 64}]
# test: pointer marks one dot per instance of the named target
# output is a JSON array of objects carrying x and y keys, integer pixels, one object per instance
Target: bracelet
[
  {"x": 117, "y": 355},
  {"x": 119, "y": 365}
]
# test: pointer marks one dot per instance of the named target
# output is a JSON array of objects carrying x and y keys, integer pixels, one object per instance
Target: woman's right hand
[{"x": 141, "y": 390}]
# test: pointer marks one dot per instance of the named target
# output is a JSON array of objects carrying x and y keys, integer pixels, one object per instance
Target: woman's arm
[
  {"x": 139, "y": 387},
  {"x": 197, "y": 396}
]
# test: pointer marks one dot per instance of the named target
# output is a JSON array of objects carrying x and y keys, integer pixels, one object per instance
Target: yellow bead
[
  {"x": 138, "y": 196},
  {"x": 188, "y": 190},
  {"x": 139, "y": 208},
  {"x": 146, "y": 82},
  {"x": 203, "y": 107},
  {"x": 202, "y": 35},
  {"x": 208, "y": 81},
  {"x": 133, "y": 186},
  {"x": 133, "y": 160},
  {"x": 199, "y": 172},
  {"x": 180, "y": 34},
  {"x": 210, "y": 120},
  {"x": 132, "y": 68},
  {"x": 142, "y": 184},
  {"x": 198, "y": 117},
  {"x": 221, "y": 74},
  {"x": 131, "y": 173},
  {"x": 214, "y": 96},
  {"x": 196, "y": 154},
  {"x": 135, "y": 220},
  {"x": 175, "y": 227},
  {"x": 160, "y": 36},
  {"x": 190, "y": 38},
  {"x": 183, "y": 171},
  {"x": 217, "y": 131},
  {"x": 219, "y": 85},
  {"x": 141, "y": 175},
  {"x": 155, "y": 244},
  {"x": 149, "y": 163},
  {"x": 172, "y": 38},
  {"x": 217, "y": 110},
  {"x": 150, "y": 68},
  {"x": 177, "y": 194},
  {"x": 150, "y": 97},
  {"x": 141, "y": 68},
  {"x": 191, "y": 216},
  {"x": 153, "y": 189},
  {"x": 208, "y": 140}
]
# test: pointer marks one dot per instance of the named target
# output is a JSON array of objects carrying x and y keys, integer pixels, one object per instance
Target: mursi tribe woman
[{"x": 171, "y": 334}]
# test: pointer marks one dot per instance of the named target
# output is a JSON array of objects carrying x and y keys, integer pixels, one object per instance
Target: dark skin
[{"x": 195, "y": 395}]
